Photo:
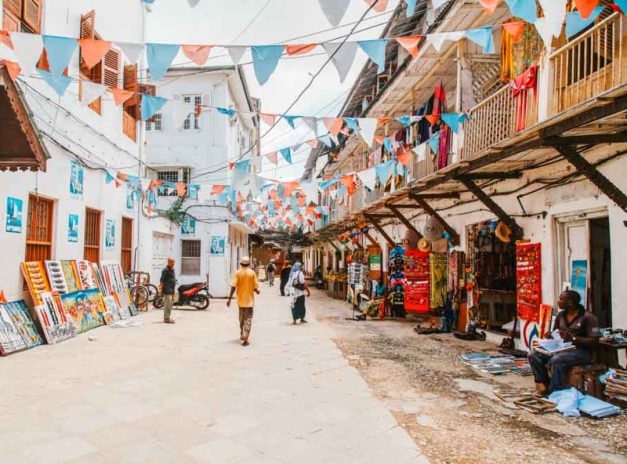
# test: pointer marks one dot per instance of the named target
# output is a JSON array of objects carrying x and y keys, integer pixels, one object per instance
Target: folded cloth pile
[{"x": 571, "y": 402}]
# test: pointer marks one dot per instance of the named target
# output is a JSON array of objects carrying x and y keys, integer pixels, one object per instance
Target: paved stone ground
[{"x": 190, "y": 393}]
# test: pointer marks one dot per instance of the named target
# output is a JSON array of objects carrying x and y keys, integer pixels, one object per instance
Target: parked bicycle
[{"x": 142, "y": 291}]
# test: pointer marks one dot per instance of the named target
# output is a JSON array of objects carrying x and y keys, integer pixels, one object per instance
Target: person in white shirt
[{"x": 298, "y": 286}]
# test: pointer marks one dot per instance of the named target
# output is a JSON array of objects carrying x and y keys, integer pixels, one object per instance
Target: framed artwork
[
  {"x": 188, "y": 228},
  {"x": 10, "y": 338},
  {"x": 18, "y": 312},
  {"x": 110, "y": 234},
  {"x": 56, "y": 276},
  {"x": 218, "y": 245},
  {"x": 72, "y": 228},
  {"x": 84, "y": 308},
  {"x": 579, "y": 279},
  {"x": 15, "y": 208},
  {"x": 71, "y": 276},
  {"x": 77, "y": 179},
  {"x": 53, "y": 320}
]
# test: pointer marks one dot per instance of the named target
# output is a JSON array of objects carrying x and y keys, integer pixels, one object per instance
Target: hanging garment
[
  {"x": 521, "y": 86},
  {"x": 507, "y": 58}
]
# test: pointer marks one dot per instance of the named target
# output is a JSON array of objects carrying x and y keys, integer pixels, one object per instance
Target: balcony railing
[{"x": 588, "y": 65}]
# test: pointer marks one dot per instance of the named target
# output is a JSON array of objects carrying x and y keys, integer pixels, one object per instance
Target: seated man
[{"x": 576, "y": 325}]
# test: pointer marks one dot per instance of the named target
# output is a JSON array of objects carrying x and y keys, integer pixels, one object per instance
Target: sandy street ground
[
  {"x": 190, "y": 393},
  {"x": 450, "y": 409}
]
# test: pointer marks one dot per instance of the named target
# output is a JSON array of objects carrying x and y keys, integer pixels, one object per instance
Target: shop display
[
  {"x": 126, "y": 307},
  {"x": 55, "y": 323},
  {"x": 417, "y": 276},
  {"x": 528, "y": 281},
  {"x": 10, "y": 338},
  {"x": 112, "y": 307},
  {"x": 84, "y": 308},
  {"x": 356, "y": 273},
  {"x": 396, "y": 294},
  {"x": 99, "y": 279},
  {"x": 35, "y": 275},
  {"x": 439, "y": 283},
  {"x": 71, "y": 276},
  {"x": 18, "y": 312},
  {"x": 113, "y": 277},
  {"x": 56, "y": 277},
  {"x": 85, "y": 275}
]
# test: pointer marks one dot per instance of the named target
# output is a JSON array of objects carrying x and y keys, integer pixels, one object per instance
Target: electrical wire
[{"x": 252, "y": 21}]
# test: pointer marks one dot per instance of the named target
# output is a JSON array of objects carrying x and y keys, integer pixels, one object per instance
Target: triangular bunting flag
[
  {"x": 286, "y": 153},
  {"x": 410, "y": 44},
  {"x": 438, "y": 39},
  {"x": 525, "y": 9},
  {"x": 434, "y": 143},
  {"x": 160, "y": 58},
  {"x": 342, "y": 56},
  {"x": 586, "y": 7},
  {"x": 514, "y": 29},
  {"x": 27, "y": 49},
  {"x": 490, "y": 5},
  {"x": 59, "y": 51},
  {"x": 180, "y": 111},
  {"x": 151, "y": 105},
  {"x": 411, "y": 7},
  {"x": 333, "y": 125},
  {"x": 12, "y": 67},
  {"x": 273, "y": 157},
  {"x": 421, "y": 151},
  {"x": 236, "y": 53},
  {"x": 575, "y": 24},
  {"x": 93, "y": 51},
  {"x": 404, "y": 156},
  {"x": 91, "y": 91},
  {"x": 334, "y": 10},
  {"x": 384, "y": 171},
  {"x": 132, "y": 51},
  {"x": 375, "y": 49},
  {"x": 293, "y": 50},
  {"x": 483, "y": 37},
  {"x": 5, "y": 39},
  {"x": 312, "y": 123},
  {"x": 368, "y": 177},
  {"x": 199, "y": 54},
  {"x": 58, "y": 83},
  {"x": 367, "y": 129},
  {"x": 265, "y": 60},
  {"x": 554, "y": 15},
  {"x": 379, "y": 6},
  {"x": 268, "y": 118},
  {"x": 120, "y": 95},
  {"x": 451, "y": 120}
]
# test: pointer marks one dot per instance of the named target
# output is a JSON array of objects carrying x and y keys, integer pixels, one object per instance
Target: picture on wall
[
  {"x": 110, "y": 234},
  {"x": 15, "y": 208},
  {"x": 72, "y": 228},
  {"x": 217, "y": 245},
  {"x": 579, "y": 279},
  {"x": 188, "y": 227},
  {"x": 84, "y": 308},
  {"x": 77, "y": 179}
]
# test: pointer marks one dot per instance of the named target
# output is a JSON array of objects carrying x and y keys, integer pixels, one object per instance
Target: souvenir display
[
  {"x": 99, "y": 279},
  {"x": 113, "y": 309},
  {"x": 417, "y": 275},
  {"x": 124, "y": 304},
  {"x": 55, "y": 274},
  {"x": 35, "y": 275},
  {"x": 85, "y": 275},
  {"x": 439, "y": 281},
  {"x": 396, "y": 294},
  {"x": 113, "y": 277},
  {"x": 10, "y": 338},
  {"x": 53, "y": 319},
  {"x": 18, "y": 312},
  {"x": 84, "y": 308},
  {"x": 71, "y": 276},
  {"x": 528, "y": 281},
  {"x": 356, "y": 273}
]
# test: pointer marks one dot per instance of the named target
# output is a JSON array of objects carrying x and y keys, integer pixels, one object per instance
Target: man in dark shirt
[
  {"x": 575, "y": 325},
  {"x": 168, "y": 282}
]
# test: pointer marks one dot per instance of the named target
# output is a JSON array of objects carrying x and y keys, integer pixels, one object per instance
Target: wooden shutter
[
  {"x": 14, "y": 7},
  {"x": 130, "y": 113},
  {"x": 112, "y": 68},
  {"x": 39, "y": 229},
  {"x": 92, "y": 235},
  {"x": 126, "y": 259},
  {"x": 10, "y": 22},
  {"x": 146, "y": 89},
  {"x": 88, "y": 25},
  {"x": 31, "y": 15}
]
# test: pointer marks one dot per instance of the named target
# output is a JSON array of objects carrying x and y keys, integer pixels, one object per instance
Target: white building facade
[{"x": 198, "y": 150}]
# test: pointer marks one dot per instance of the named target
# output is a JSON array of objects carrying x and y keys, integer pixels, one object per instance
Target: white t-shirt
[{"x": 298, "y": 277}]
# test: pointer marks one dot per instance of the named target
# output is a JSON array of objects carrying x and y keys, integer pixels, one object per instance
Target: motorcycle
[{"x": 195, "y": 295}]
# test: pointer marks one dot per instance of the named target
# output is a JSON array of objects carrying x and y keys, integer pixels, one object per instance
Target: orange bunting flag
[
  {"x": 268, "y": 118},
  {"x": 289, "y": 187},
  {"x": 273, "y": 157},
  {"x": 181, "y": 189},
  {"x": 120, "y": 95},
  {"x": 217, "y": 189},
  {"x": 122, "y": 176},
  {"x": 5, "y": 39},
  {"x": 299, "y": 49},
  {"x": 379, "y": 6},
  {"x": 432, "y": 118},
  {"x": 118, "y": 184},
  {"x": 199, "y": 54},
  {"x": 93, "y": 51},
  {"x": 301, "y": 201},
  {"x": 490, "y": 5},
  {"x": 333, "y": 125},
  {"x": 384, "y": 120},
  {"x": 404, "y": 156},
  {"x": 277, "y": 204},
  {"x": 349, "y": 183},
  {"x": 231, "y": 165},
  {"x": 3, "y": 299},
  {"x": 410, "y": 44},
  {"x": 313, "y": 143},
  {"x": 514, "y": 29},
  {"x": 586, "y": 7},
  {"x": 379, "y": 139},
  {"x": 13, "y": 68}
]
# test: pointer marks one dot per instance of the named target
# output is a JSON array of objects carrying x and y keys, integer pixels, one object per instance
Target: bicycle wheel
[
  {"x": 153, "y": 292},
  {"x": 139, "y": 294}
]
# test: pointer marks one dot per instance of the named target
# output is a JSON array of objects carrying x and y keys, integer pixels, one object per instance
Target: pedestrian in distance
[
  {"x": 166, "y": 287},
  {"x": 299, "y": 287},
  {"x": 285, "y": 276},
  {"x": 270, "y": 270},
  {"x": 246, "y": 284}
]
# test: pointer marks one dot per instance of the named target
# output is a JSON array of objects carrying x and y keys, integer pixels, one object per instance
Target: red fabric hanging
[{"x": 521, "y": 86}]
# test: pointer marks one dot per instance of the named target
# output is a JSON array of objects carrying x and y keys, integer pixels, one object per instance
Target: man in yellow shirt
[{"x": 246, "y": 284}]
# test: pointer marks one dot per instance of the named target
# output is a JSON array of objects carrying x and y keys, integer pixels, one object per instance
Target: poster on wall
[
  {"x": 188, "y": 227},
  {"x": 14, "y": 215},
  {"x": 528, "y": 281},
  {"x": 579, "y": 278},
  {"x": 72, "y": 228},
  {"x": 217, "y": 245},
  {"x": 77, "y": 179},
  {"x": 110, "y": 234},
  {"x": 375, "y": 262}
]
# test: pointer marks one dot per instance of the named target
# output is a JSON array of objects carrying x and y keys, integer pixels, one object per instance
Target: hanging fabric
[
  {"x": 521, "y": 86},
  {"x": 507, "y": 58}
]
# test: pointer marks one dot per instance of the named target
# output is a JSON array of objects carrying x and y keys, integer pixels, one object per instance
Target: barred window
[
  {"x": 193, "y": 120},
  {"x": 155, "y": 123},
  {"x": 190, "y": 257}
]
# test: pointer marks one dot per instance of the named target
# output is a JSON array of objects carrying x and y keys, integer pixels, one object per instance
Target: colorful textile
[
  {"x": 521, "y": 86},
  {"x": 439, "y": 286}
]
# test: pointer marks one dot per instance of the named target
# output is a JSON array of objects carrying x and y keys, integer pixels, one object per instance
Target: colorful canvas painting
[
  {"x": 56, "y": 276},
  {"x": 84, "y": 308},
  {"x": 217, "y": 245},
  {"x": 112, "y": 307},
  {"x": 77, "y": 179},
  {"x": 439, "y": 279},
  {"x": 34, "y": 273},
  {"x": 71, "y": 276},
  {"x": 72, "y": 228},
  {"x": 124, "y": 304},
  {"x": 18, "y": 312},
  {"x": 10, "y": 338},
  {"x": 579, "y": 279},
  {"x": 53, "y": 319},
  {"x": 99, "y": 279},
  {"x": 14, "y": 215},
  {"x": 85, "y": 275},
  {"x": 110, "y": 234}
]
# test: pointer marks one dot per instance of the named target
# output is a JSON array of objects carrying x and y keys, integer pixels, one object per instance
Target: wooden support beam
[
  {"x": 493, "y": 175},
  {"x": 404, "y": 220},
  {"x": 404, "y": 206},
  {"x": 433, "y": 213},
  {"x": 584, "y": 167},
  {"x": 380, "y": 229},
  {"x": 330, "y": 242},
  {"x": 372, "y": 240},
  {"x": 594, "y": 139},
  {"x": 492, "y": 206},
  {"x": 438, "y": 196}
]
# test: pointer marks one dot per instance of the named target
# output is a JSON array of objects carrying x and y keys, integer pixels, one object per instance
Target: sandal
[{"x": 169, "y": 321}]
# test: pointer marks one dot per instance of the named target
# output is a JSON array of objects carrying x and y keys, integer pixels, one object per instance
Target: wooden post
[
  {"x": 404, "y": 220},
  {"x": 382, "y": 231}
]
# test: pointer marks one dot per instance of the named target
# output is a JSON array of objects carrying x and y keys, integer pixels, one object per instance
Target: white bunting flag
[
  {"x": 236, "y": 53},
  {"x": 344, "y": 58},
  {"x": 367, "y": 129},
  {"x": 333, "y": 194},
  {"x": 132, "y": 51},
  {"x": 554, "y": 16},
  {"x": 438, "y": 39},
  {"x": 334, "y": 10},
  {"x": 27, "y": 49},
  {"x": 438, "y": 3},
  {"x": 368, "y": 178},
  {"x": 544, "y": 28},
  {"x": 91, "y": 91},
  {"x": 310, "y": 189},
  {"x": 421, "y": 151},
  {"x": 312, "y": 123}
]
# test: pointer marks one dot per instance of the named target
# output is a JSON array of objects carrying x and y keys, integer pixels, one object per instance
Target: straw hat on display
[
  {"x": 433, "y": 229},
  {"x": 503, "y": 232},
  {"x": 424, "y": 245}
]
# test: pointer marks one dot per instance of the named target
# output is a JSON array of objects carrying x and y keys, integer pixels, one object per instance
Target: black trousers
[{"x": 283, "y": 284}]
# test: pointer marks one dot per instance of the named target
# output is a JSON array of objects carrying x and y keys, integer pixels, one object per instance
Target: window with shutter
[
  {"x": 88, "y": 31},
  {"x": 14, "y": 7},
  {"x": 31, "y": 15},
  {"x": 130, "y": 113},
  {"x": 112, "y": 68},
  {"x": 10, "y": 22},
  {"x": 146, "y": 89}
]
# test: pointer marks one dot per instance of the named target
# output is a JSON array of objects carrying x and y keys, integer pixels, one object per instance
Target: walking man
[
  {"x": 166, "y": 286},
  {"x": 246, "y": 284},
  {"x": 270, "y": 270}
]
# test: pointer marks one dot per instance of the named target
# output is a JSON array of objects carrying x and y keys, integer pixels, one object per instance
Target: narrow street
[{"x": 190, "y": 393}]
